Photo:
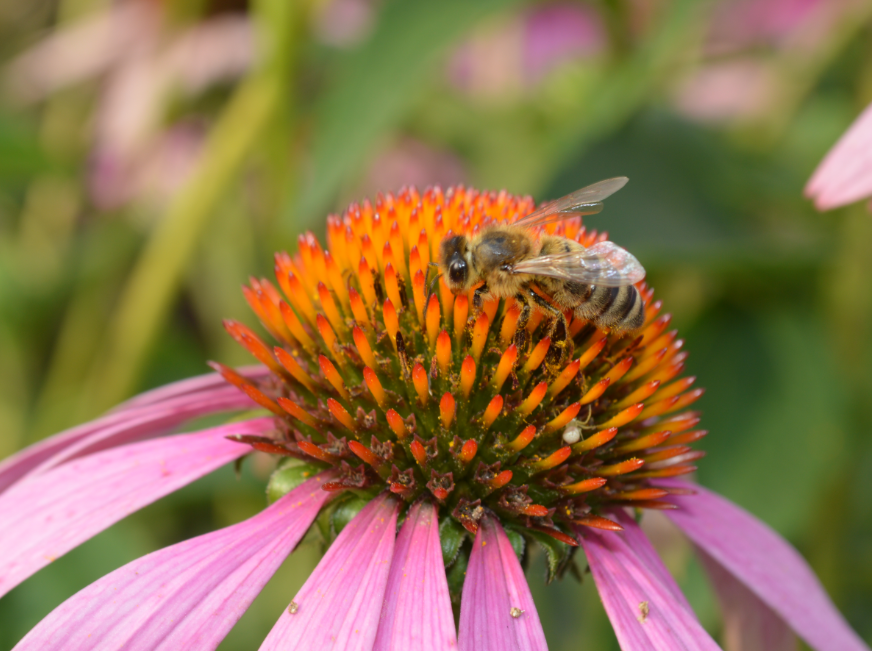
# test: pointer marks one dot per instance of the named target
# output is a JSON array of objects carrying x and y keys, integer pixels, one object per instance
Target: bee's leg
[
  {"x": 520, "y": 339},
  {"x": 478, "y": 297},
  {"x": 561, "y": 347},
  {"x": 433, "y": 283}
]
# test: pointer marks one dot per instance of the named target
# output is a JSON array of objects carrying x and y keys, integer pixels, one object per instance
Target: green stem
[{"x": 152, "y": 286}]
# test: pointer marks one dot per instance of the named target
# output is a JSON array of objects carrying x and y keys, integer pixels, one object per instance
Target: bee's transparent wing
[
  {"x": 587, "y": 201},
  {"x": 605, "y": 263}
]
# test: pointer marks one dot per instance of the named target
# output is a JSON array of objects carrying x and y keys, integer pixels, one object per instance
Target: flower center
[{"x": 476, "y": 406}]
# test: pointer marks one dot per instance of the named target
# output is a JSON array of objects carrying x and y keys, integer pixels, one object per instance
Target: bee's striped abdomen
[{"x": 618, "y": 308}]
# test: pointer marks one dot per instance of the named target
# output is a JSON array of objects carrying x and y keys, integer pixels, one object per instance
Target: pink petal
[
  {"x": 749, "y": 624},
  {"x": 205, "y": 382},
  {"x": 845, "y": 174},
  {"x": 640, "y": 602},
  {"x": 122, "y": 426},
  {"x": 187, "y": 596},
  {"x": 417, "y": 615},
  {"x": 497, "y": 612},
  {"x": 339, "y": 606},
  {"x": 767, "y": 565},
  {"x": 47, "y": 515}
]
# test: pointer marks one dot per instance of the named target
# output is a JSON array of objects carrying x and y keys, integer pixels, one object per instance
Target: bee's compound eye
[{"x": 457, "y": 270}]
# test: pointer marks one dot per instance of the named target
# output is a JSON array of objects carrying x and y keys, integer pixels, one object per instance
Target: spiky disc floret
[{"x": 424, "y": 395}]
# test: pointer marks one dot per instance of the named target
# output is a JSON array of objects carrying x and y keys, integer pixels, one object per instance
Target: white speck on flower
[
  {"x": 516, "y": 612},
  {"x": 293, "y": 608},
  {"x": 572, "y": 433}
]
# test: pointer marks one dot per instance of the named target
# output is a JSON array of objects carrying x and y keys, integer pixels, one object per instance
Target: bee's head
[{"x": 454, "y": 263}]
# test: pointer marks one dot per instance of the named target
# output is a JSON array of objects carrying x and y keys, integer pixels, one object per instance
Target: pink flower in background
[
  {"x": 845, "y": 174},
  {"x": 142, "y": 65},
  {"x": 470, "y": 457},
  {"x": 519, "y": 53}
]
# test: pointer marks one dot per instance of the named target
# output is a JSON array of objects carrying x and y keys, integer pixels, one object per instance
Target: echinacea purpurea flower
[{"x": 396, "y": 409}]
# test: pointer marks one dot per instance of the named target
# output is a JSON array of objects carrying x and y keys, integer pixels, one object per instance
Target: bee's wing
[
  {"x": 605, "y": 263},
  {"x": 587, "y": 201}
]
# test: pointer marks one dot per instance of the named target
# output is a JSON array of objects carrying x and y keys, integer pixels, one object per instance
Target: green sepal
[
  {"x": 289, "y": 474},
  {"x": 345, "y": 512},
  {"x": 557, "y": 554},
  {"x": 451, "y": 535},
  {"x": 519, "y": 544}
]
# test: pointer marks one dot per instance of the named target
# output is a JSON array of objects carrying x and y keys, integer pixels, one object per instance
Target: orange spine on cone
[
  {"x": 562, "y": 420},
  {"x": 297, "y": 412},
  {"x": 532, "y": 401},
  {"x": 523, "y": 439},
  {"x": 537, "y": 356},
  {"x": 341, "y": 414},
  {"x": 421, "y": 383},
  {"x": 330, "y": 309},
  {"x": 363, "y": 347},
  {"x": 443, "y": 353},
  {"x": 367, "y": 284},
  {"x": 433, "y": 320},
  {"x": 293, "y": 367},
  {"x": 334, "y": 274},
  {"x": 446, "y": 410},
  {"x": 333, "y": 376},
  {"x": 619, "y": 370},
  {"x": 392, "y": 286},
  {"x": 625, "y": 416},
  {"x": 461, "y": 312},
  {"x": 639, "y": 395},
  {"x": 584, "y": 486},
  {"x": 504, "y": 368},
  {"x": 596, "y": 391},
  {"x": 374, "y": 386},
  {"x": 295, "y": 326},
  {"x": 492, "y": 412},
  {"x": 510, "y": 324},
  {"x": 419, "y": 293},
  {"x": 358, "y": 309},
  {"x": 479, "y": 335},
  {"x": 467, "y": 375},
  {"x": 565, "y": 377},
  {"x": 592, "y": 442},
  {"x": 395, "y": 421},
  {"x": 392, "y": 323}
]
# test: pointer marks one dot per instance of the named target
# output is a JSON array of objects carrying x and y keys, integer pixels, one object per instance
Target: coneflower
[{"x": 435, "y": 442}]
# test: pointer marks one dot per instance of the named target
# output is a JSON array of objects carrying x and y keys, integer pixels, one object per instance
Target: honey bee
[{"x": 595, "y": 283}]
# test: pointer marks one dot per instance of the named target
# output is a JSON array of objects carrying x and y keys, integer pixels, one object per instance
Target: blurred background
[{"x": 153, "y": 154}]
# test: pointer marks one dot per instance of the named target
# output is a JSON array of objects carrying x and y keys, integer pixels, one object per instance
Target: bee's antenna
[{"x": 432, "y": 282}]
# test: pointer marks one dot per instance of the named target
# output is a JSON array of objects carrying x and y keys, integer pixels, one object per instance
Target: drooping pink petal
[
  {"x": 765, "y": 563},
  {"x": 639, "y": 542},
  {"x": 640, "y": 601},
  {"x": 417, "y": 615},
  {"x": 196, "y": 384},
  {"x": 497, "y": 612},
  {"x": 339, "y": 606},
  {"x": 749, "y": 624},
  {"x": 187, "y": 596},
  {"x": 845, "y": 174},
  {"x": 149, "y": 419},
  {"x": 47, "y": 515}
]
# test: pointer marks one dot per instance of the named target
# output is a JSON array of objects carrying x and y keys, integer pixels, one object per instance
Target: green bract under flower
[{"x": 426, "y": 395}]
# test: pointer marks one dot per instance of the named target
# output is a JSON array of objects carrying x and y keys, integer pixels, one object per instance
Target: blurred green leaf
[
  {"x": 774, "y": 409},
  {"x": 21, "y": 154},
  {"x": 379, "y": 81}
]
